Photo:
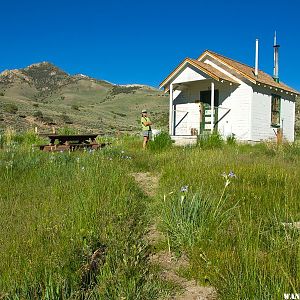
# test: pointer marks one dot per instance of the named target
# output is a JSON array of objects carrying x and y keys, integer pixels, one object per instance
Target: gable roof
[
  {"x": 201, "y": 66},
  {"x": 240, "y": 68},
  {"x": 248, "y": 72}
]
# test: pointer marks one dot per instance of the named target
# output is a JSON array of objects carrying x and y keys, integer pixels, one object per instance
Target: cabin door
[{"x": 205, "y": 111}]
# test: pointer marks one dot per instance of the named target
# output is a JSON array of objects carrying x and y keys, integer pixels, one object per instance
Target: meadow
[{"x": 73, "y": 225}]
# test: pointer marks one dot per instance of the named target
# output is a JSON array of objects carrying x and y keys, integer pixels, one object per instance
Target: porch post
[
  {"x": 212, "y": 103},
  {"x": 171, "y": 111}
]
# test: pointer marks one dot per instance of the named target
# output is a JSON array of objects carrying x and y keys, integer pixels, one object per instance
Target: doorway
[{"x": 205, "y": 110}]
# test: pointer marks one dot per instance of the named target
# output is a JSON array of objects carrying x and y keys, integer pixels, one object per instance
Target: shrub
[
  {"x": 38, "y": 114},
  {"x": 10, "y": 108},
  {"x": 161, "y": 141},
  {"x": 231, "y": 139},
  {"x": 119, "y": 114},
  {"x": 210, "y": 141},
  {"x": 66, "y": 131},
  {"x": 2, "y": 94},
  {"x": 75, "y": 106},
  {"x": 66, "y": 119},
  {"x": 48, "y": 120},
  {"x": 35, "y": 104}
]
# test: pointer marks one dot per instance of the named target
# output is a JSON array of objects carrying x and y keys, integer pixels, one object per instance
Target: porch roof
[
  {"x": 203, "y": 67},
  {"x": 188, "y": 84}
]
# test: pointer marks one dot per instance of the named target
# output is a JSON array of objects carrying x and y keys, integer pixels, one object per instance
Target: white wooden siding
[
  {"x": 189, "y": 117},
  {"x": 189, "y": 73},
  {"x": 261, "y": 116},
  {"x": 249, "y": 116},
  {"x": 238, "y": 119},
  {"x": 287, "y": 115}
]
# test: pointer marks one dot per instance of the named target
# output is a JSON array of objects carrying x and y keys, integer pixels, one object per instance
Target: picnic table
[{"x": 60, "y": 142}]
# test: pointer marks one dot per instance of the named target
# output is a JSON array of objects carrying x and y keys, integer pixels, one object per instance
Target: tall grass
[
  {"x": 57, "y": 211},
  {"x": 240, "y": 245},
  {"x": 161, "y": 142}
]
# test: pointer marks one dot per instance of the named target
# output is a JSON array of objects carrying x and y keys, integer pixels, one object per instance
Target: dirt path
[
  {"x": 147, "y": 182},
  {"x": 169, "y": 264}
]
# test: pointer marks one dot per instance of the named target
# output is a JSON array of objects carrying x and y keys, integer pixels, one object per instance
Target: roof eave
[
  {"x": 226, "y": 64},
  {"x": 276, "y": 88},
  {"x": 181, "y": 65}
]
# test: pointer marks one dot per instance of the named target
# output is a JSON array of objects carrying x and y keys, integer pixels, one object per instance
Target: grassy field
[{"x": 73, "y": 225}]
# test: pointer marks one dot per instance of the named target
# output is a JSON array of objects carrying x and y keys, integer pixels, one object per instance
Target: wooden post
[
  {"x": 53, "y": 130},
  {"x": 212, "y": 103},
  {"x": 279, "y": 136},
  {"x": 171, "y": 110},
  {"x": 35, "y": 129}
]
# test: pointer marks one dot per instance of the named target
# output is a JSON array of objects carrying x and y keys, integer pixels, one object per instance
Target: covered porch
[{"x": 196, "y": 107}]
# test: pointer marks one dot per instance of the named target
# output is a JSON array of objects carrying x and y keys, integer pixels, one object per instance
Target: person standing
[{"x": 146, "y": 127}]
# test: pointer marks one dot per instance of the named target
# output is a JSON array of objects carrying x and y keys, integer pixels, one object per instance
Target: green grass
[
  {"x": 57, "y": 209},
  {"x": 237, "y": 244}
]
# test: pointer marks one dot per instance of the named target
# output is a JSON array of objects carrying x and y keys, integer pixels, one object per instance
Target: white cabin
[{"x": 216, "y": 93}]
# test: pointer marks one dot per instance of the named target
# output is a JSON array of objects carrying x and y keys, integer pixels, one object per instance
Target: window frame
[{"x": 273, "y": 97}]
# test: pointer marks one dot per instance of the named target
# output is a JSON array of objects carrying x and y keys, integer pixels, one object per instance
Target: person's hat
[{"x": 144, "y": 111}]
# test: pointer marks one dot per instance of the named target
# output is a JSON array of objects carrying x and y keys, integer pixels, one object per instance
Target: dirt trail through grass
[{"x": 168, "y": 263}]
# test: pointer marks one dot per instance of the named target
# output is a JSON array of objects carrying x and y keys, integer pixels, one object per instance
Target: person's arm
[
  {"x": 146, "y": 123},
  {"x": 149, "y": 122}
]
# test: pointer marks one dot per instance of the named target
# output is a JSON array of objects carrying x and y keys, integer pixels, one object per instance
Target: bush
[
  {"x": 210, "y": 141},
  {"x": 10, "y": 108},
  {"x": 161, "y": 141},
  {"x": 28, "y": 138},
  {"x": 66, "y": 119},
  {"x": 231, "y": 139},
  {"x": 66, "y": 131},
  {"x": 2, "y": 94},
  {"x": 35, "y": 104},
  {"x": 75, "y": 107},
  {"x": 38, "y": 114},
  {"x": 48, "y": 121}
]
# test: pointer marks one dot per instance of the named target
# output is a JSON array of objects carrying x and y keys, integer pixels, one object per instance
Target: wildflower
[
  {"x": 227, "y": 177},
  {"x": 82, "y": 168},
  {"x": 122, "y": 151},
  {"x": 231, "y": 174},
  {"x": 184, "y": 189}
]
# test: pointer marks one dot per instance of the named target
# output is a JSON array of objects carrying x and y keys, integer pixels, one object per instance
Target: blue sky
[{"x": 142, "y": 41}]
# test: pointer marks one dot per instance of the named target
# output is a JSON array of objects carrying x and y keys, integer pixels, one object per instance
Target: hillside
[{"x": 43, "y": 95}]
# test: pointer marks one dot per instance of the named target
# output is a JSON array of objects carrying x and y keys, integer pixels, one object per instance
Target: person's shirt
[{"x": 144, "y": 120}]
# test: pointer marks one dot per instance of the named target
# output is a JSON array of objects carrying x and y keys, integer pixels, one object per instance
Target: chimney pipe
[
  {"x": 276, "y": 58},
  {"x": 256, "y": 58}
]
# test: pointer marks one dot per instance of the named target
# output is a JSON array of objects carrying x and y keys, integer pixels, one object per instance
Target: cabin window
[{"x": 275, "y": 111}]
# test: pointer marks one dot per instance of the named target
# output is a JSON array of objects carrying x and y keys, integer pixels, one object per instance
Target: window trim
[{"x": 276, "y": 111}]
